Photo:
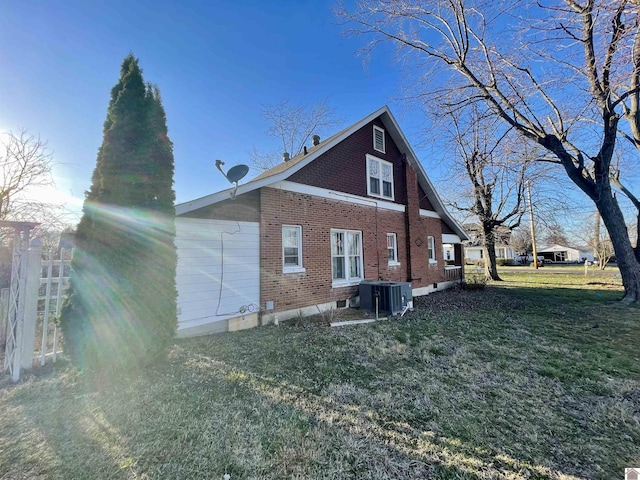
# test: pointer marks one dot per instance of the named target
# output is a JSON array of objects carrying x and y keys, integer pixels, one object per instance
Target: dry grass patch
[{"x": 519, "y": 381}]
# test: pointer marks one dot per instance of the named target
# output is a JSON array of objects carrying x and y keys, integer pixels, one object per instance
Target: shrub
[{"x": 474, "y": 281}]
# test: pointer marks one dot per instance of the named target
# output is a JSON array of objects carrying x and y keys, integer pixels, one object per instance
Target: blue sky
[{"x": 216, "y": 63}]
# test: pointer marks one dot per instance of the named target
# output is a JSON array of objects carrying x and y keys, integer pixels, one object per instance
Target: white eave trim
[
  {"x": 429, "y": 213},
  {"x": 450, "y": 238},
  {"x": 337, "y": 196},
  {"x": 187, "y": 207},
  {"x": 398, "y": 136}
]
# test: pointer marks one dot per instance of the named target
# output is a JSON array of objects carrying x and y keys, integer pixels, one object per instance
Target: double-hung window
[
  {"x": 379, "y": 178},
  {"x": 292, "y": 249},
  {"x": 431, "y": 245},
  {"x": 392, "y": 248},
  {"x": 346, "y": 257}
]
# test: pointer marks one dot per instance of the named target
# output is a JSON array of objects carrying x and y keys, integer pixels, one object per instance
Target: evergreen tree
[{"x": 121, "y": 309}]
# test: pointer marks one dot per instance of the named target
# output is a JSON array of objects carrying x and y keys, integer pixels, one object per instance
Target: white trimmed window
[
  {"x": 378, "y": 139},
  {"x": 431, "y": 245},
  {"x": 292, "y": 249},
  {"x": 346, "y": 257},
  {"x": 379, "y": 178},
  {"x": 392, "y": 249}
]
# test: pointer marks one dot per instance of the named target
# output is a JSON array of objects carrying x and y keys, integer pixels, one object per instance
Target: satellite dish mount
[{"x": 234, "y": 175}]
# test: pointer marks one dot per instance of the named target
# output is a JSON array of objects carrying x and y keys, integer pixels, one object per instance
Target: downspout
[{"x": 406, "y": 221}]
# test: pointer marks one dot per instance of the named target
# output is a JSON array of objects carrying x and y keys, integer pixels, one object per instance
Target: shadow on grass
[
  {"x": 371, "y": 445},
  {"x": 506, "y": 383},
  {"x": 49, "y": 430}
]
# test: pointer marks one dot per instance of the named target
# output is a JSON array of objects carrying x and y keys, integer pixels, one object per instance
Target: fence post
[
  {"x": 47, "y": 305},
  {"x": 32, "y": 286},
  {"x": 4, "y": 316}
]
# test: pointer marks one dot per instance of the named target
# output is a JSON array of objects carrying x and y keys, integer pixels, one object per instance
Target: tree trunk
[
  {"x": 637, "y": 247},
  {"x": 625, "y": 255},
  {"x": 490, "y": 267}
]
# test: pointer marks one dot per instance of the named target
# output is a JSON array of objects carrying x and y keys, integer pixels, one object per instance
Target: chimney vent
[
  {"x": 316, "y": 140},
  {"x": 285, "y": 157},
  {"x": 305, "y": 149}
]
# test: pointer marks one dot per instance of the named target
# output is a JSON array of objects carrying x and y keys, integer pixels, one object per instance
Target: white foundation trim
[
  {"x": 420, "y": 291},
  {"x": 268, "y": 318}
]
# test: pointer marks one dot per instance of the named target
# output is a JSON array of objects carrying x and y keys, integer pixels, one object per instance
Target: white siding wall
[
  {"x": 474, "y": 253},
  {"x": 218, "y": 270}
]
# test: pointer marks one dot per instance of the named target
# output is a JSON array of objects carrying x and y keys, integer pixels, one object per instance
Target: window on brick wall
[
  {"x": 431, "y": 245},
  {"x": 346, "y": 257},
  {"x": 379, "y": 178},
  {"x": 292, "y": 249},
  {"x": 378, "y": 139},
  {"x": 392, "y": 249}
]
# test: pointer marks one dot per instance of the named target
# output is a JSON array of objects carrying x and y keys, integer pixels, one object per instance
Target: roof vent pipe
[
  {"x": 316, "y": 140},
  {"x": 305, "y": 149},
  {"x": 285, "y": 157}
]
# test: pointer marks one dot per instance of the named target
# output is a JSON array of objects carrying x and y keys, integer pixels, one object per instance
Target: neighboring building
[
  {"x": 564, "y": 254},
  {"x": 301, "y": 236},
  {"x": 474, "y": 251}
]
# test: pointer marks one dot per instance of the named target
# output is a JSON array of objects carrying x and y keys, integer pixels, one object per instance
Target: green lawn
[{"x": 537, "y": 377}]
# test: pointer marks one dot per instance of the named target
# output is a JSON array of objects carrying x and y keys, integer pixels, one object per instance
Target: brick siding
[
  {"x": 344, "y": 167},
  {"x": 317, "y": 216}
]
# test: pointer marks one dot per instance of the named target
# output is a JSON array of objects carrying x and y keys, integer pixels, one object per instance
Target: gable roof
[{"x": 284, "y": 170}]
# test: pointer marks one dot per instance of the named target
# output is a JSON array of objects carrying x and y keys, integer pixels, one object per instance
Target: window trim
[
  {"x": 395, "y": 262},
  {"x": 431, "y": 249},
  {"x": 348, "y": 280},
  {"x": 381, "y": 163},
  {"x": 384, "y": 141},
  {"x": 293, "y": 268}
]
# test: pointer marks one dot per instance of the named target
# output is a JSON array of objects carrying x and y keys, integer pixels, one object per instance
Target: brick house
[{"x": 301, "y": 236}]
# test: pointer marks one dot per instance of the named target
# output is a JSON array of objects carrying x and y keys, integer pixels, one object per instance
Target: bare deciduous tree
[
  {"x": 601, "y": 243},
  {"x": 293, "y": 126},
  {"x": 554, "y": 234},
  {"x": 494, "y": 174},
  {"x": 563, "y": 74},
  {"x": 521, "y": 243},
  {"x": 25, "y": 164},
  {"x": 592, "y": 234}
]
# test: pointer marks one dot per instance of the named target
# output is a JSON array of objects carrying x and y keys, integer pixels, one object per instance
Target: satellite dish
[
  {"x": 234, "y": 175},
  {"x": 237, "y": 173}
]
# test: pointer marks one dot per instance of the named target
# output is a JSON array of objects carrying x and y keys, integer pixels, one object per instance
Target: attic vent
[
  {"x": 316, "y": 140},
  {"x": 285, "y": 157},
  {"x": 378, "y": 139}
]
